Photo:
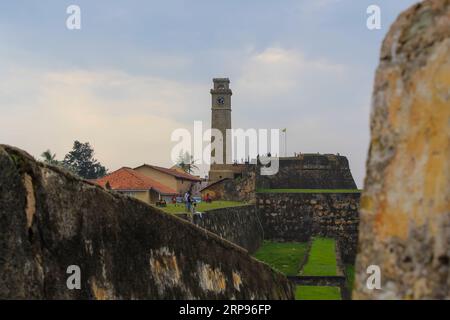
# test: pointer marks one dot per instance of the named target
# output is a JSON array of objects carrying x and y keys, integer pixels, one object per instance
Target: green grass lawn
[
  {"x": 317, "y": 293},
  {"x": 350, "y": 273},
  {"x": 322, "y": 258},
  {"x": 308, "y": 191},
  {"x": 284, "y": 257},
  {"x": 202, "y": 206}
]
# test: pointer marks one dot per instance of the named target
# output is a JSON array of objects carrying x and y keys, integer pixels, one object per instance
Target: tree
[
  {"x": 81, "y": 160},
  {"x": 49, "y": 157},
  {"x": 186, "y": 162}
]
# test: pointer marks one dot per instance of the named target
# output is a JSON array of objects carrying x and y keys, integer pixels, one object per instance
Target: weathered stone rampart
[
  {"x": 309, "y": 171},
  {"x": 240, "y": 225},
  {"x": 125, "y": 249}
]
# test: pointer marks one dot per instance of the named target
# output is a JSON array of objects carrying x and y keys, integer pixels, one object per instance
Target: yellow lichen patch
[
  {"x": 211, "y": 279},
  {"x": 164, "y": 268},
  {"x": 30, "y": 210},
  {"x": 366, "y": 203},
  {"x": 417, "y": 176},
  {"x": 237, "y": 281},
  {"x": 437, "y": 165},
  {"x": 391, "y": 222},
  {"x": 99, "y": 293}
]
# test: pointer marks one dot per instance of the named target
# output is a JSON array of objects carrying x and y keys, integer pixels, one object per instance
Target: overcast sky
[{"x": 137, "y": 70}]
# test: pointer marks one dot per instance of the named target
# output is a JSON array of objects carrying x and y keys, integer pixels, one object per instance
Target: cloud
[
  {"x": 277, "y": 71},
  {"x": 120, "y": 93},
  {"x": 128, "y": 119}
]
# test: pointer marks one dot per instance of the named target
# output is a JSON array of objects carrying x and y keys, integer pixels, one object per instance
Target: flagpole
[{"x": 285, "y": 142}]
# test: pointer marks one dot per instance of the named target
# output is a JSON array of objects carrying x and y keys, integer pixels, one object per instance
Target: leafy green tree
[
  {"x": 50, "y": 158},
  {"x": 186, "y": 162},
  {"x": 81, "y": 160}
]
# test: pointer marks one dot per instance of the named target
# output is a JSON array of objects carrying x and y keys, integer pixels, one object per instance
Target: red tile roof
[
  {"x": 130, "y": 180},
  {"x": 175, "y": 173}
]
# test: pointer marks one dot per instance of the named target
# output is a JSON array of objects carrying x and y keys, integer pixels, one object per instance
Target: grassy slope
[
  {"x": 322, "y": 258},
  {"x": 317, "y": 293},
  {"x": 284, "y": 257},
  {"x": 350, "y": 273},
  {"x": 308, "y": 191},
  {"x": 202, "y": 206}
]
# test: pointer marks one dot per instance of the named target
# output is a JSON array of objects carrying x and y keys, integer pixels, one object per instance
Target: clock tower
[{"x": 221, "y": 120}]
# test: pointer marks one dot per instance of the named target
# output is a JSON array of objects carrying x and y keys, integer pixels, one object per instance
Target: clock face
[{"x": 220, "y": 100}]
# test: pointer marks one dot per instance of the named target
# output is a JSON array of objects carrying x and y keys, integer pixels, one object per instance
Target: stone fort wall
[
  {"x": 125, "y": 249},
  {"x": 298, "y": 216},
  {"x": 240, "y": 225},
  {"x": 288, "y": 217},
  {"x": 291, "y": 216},
  {"x": 309, "y": 171},
  {"x": 238, "y": 189}
]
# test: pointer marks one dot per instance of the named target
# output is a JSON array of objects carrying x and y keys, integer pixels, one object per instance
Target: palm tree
[
  {"x": 49, "y": 157},
  {"x": 186, "y": 162}
]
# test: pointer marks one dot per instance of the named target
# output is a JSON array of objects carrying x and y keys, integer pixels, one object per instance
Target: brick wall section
[
  {"x": 240, "y": 225},
  {"x": 126, "y": 249},
  {"x": 298, "y": 216}
]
